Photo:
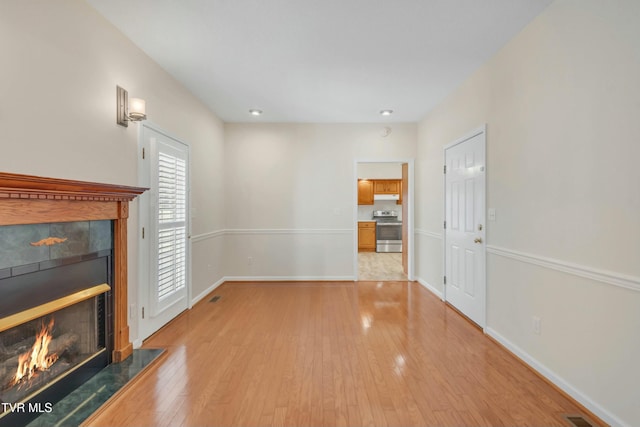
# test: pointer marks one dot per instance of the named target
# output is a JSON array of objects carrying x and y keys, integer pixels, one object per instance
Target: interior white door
[
  {"x": 166, "y": 237},
  {"x": 465, "y": 284}
]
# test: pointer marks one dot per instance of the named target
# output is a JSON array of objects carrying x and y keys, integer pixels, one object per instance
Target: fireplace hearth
[{"x": 63, "y": 288}]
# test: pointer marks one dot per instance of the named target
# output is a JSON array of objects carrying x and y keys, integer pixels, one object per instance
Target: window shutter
[{"x": 172, "y": 225}]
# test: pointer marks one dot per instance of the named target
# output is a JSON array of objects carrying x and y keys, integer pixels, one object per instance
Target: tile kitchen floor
[{"x": 380, "y": 266}]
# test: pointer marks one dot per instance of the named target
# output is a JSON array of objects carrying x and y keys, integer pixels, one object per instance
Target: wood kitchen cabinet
[
  {"x": 366, "y": 236},
  {"x": 368, "y": 187},
  {"x": 386, "y": 186},
  {"x": 365, "y": 192}
]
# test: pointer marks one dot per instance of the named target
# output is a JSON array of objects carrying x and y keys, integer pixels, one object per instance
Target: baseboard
[
  {"x": 556, "y": 380},
  {"x": 288, "y": 278},
  {"x": 430, "y": 288},
  {"x": 207, "y": 291}
]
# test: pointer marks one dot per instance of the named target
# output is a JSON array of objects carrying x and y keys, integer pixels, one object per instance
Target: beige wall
[
  {"x": 380, "y": 171},
  {"x": 299, "y": 178},
  {"x": 60, "y": 63},
  {"x": 561, "y": 106}
]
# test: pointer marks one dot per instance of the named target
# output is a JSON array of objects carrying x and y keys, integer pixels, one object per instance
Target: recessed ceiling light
[
  {"x": 255, "y": 112},
  {"x": 386, "y": 112}
]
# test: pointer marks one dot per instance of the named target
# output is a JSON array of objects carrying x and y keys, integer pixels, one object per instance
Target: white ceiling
[{"x": 320, "y": 60}]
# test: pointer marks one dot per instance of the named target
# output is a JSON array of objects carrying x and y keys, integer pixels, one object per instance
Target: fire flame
[{"x": 38, "y": 358}]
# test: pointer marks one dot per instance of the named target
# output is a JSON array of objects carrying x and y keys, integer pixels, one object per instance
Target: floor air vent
[
  {"x": 578, "y": 421},
  {"x": 215, "y": 299}
]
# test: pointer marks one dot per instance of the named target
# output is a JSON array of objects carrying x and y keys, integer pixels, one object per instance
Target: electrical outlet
[
  {"x": 132, "y": 311},
  {"x": 249, "y": 260},
  {"x": 535, "y": 324},
  {"x": 491, "y": 213}
]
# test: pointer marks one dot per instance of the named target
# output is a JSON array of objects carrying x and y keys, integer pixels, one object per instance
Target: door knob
[{"x": 477, "y": 240}]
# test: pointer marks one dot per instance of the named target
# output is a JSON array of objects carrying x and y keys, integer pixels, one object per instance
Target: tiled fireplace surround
[{"x": 91, "y": 216}]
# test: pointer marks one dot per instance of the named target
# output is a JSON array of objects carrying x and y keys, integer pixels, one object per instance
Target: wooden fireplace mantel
[{"x": 26, "y": 199}]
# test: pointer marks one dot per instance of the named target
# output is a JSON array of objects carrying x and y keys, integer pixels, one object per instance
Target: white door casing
[
  {"x": 465, "y": 227},
  {"x": 165, "y": 246}
]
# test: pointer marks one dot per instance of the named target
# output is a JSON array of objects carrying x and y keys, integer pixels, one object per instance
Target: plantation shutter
[{"x": 172, "y": 225}]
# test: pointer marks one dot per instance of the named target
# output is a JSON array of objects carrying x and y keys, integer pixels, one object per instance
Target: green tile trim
[{"x": 89, "y": 397}]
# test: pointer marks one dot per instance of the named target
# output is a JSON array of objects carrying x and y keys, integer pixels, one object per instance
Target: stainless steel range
[{"x": 388, "y": 231}]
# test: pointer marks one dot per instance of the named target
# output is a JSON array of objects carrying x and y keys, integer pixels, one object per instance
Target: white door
[
  {"x": 166, "y": 231},
  {"x": 465, "y": 226}
]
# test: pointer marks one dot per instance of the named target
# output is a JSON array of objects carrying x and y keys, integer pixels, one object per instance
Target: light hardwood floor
[{"x": 332, "y": 354}]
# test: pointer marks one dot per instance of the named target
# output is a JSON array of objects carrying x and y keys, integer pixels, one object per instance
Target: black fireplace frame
[{"x": 48, "y": 280}]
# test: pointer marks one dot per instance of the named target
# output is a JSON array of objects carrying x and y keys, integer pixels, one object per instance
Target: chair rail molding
[
  {"x": 422, "y": 232},
  {"x": 288, "y": 231},
  {"x": 205, "y": 236},
  {"x": 272, "y": 231},
  {"x": 603, "y": 276}
]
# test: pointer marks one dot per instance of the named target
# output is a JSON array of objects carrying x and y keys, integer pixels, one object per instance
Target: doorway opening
[{"x": 383, "y": 216}]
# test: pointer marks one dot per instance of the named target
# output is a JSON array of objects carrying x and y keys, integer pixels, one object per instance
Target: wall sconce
[{"x": 126, "y": 111}]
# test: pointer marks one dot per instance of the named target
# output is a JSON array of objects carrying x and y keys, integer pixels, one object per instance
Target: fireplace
[
  {"x": 36, "y": 354},
  {"x": 56, "y": 320},
  {"x": 63, "y": 288}
]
